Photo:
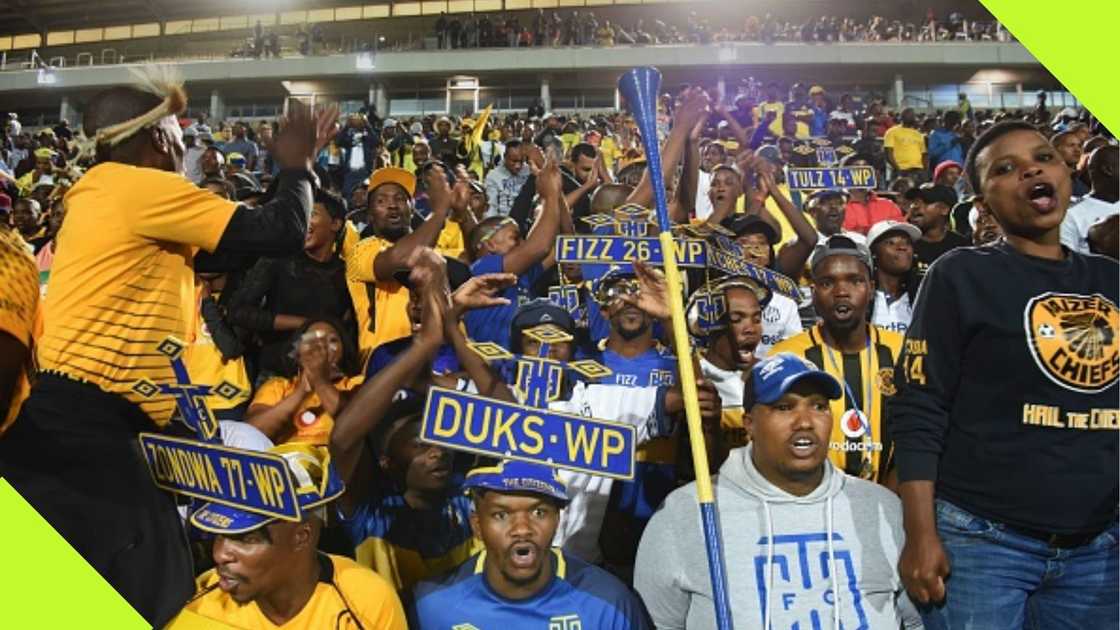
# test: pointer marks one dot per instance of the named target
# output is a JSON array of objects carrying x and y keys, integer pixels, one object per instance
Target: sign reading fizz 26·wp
[{"x": 467, "y": 422}]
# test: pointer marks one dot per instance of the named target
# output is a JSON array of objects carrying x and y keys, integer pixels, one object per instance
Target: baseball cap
[
  {"x": 517, "y": 476},
  {"x": 775, "y": 375},
  {"x": 941, "y": 166},
  {"x": 236, "y": 158},
  {"x": 313, "y": 476},
  {"x": 827, "y": 193},
  {"x": 770, "y": 152},
  {"x": 476, "y": 186},
  {"x": 742, "y": 223},
  {"x": 839, "y": 245},
  {"x": 443, "y": 119},
  {"x": 882, "y": 228},
  {"x": 245, "y": 186},
  {"x": 44, "y": 153},
  {"x": 537, "y": 312},
  {"x": 393, "y": 175},
  {"x": 933, "y": 193}
]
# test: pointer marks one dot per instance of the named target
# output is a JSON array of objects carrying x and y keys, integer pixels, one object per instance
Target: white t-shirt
[
  {"x": 588, "y": 495},
  {"x": 1080, "y": 217},
  {"x": 703, "y": 203},
  {"x": 357, "y": 153},
  {"x": 892, "y": 315},
  {"x": 780, "y": 320},
  {"x": 729, "y": 383}
]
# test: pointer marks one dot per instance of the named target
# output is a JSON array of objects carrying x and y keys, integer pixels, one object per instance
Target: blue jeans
[{"x": 1001, "y": 579}]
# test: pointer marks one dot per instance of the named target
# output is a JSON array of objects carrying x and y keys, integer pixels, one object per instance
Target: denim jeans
[{"x": 1001, "y": 579}]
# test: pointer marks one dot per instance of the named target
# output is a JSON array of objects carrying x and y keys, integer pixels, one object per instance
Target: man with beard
[
  {"x": 380, "y": 302},
  {"x": 928, "y": 208},
  {"x": 856, "y": 353},
  {"x": 636, "y": 359},
  {"x": 520, "y": 580}
]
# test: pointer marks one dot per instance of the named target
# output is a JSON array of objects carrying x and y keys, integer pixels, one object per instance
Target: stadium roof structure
[{"x": 44, "y": 16}]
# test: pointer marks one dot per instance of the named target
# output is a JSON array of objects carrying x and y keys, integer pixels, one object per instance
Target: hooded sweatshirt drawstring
[{"x": 834, "y": 480}]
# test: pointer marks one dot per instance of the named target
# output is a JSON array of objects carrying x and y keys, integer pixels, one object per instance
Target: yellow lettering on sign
[
  {"x": 581, "y": 444},
  {"x": 260, "y": 474},
  {"x": 277, "y": 486},
  {"x": 613, "y": 443},
  {"x": 469, "y": 421},
  {"x": 441, "y": 429},
  {"x": 530, "y": 432},
  {"x": 503, "y": 427}
]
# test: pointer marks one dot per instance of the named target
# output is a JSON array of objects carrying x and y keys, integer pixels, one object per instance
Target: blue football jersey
[
  {"x": 580, "y": 596},
  {"x": 492, "y": 324}
]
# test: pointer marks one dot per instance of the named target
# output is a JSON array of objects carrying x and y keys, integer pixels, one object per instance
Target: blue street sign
[
  {"x": 252, "y": 481},
  {"x": 823, "y": 178},
  {"x": 467, "y": 422}
]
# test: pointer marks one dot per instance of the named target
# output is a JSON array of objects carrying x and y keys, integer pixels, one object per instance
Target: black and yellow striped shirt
[
  {"x": 123, "y": 279},
  {"x": 858, "y": 452}
]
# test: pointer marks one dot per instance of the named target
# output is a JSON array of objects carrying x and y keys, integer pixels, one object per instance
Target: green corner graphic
[
  {"x": 47, "y": 584},
  {"x": 1076, "y": 43}
]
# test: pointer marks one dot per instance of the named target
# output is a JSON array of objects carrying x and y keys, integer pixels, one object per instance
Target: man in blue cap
[
  {"x": 269, "y": 572},
  {"x": 806, "y": 545},
  {"x": 520, "y": 580}
]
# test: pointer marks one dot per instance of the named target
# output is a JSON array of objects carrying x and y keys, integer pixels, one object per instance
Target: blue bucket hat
[
  {"x": 314, "y": 478},
  {"x": 518, "y": 476}
]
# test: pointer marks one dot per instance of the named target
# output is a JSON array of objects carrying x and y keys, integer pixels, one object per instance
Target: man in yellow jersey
[
  {"x": 269, "y": 573},
  {"x": 19, "y": 300},
  {"x": 121, "y": 283},
  {"x": 380, "y": 302},
  {"x": 859, "y": 355}
]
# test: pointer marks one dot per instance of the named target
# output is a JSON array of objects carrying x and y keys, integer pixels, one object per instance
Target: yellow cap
[{"x": 393, "y": 175}]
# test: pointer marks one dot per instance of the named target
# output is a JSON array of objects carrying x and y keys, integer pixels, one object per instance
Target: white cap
[{"x": 882, "y": 228}]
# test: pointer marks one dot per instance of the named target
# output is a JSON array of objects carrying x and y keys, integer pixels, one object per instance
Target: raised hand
[
  {"x": 653, "y": 292},
  {"x": 481, "y": 292}
]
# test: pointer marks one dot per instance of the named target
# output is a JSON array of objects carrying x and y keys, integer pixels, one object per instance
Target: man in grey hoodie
[{"x": 806, "y": 546}]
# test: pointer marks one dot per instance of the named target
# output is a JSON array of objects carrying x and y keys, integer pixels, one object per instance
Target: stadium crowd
[
  {"x": 889, "y": 456},
  {"x": 582, "y": 27}
]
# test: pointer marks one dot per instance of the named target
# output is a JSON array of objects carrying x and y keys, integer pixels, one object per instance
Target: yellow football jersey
[
  {"x": 347, "y": 596},
  {"x": 123, "y": 279},
  {"x": 19, "y": 302}
]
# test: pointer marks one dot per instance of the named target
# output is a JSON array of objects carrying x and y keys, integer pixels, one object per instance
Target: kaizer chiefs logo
[{"x": 1073, "y": 339}]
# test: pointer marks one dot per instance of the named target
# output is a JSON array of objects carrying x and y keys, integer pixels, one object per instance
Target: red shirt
[{"x": 859, "y": 217}]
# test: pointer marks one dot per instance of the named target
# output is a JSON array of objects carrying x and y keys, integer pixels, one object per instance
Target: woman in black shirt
[{"x": 279, "y": 295}]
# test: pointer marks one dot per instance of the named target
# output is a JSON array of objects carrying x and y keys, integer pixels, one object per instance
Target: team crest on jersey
[
  {"x": 565, "y": 622},
  {"x": 885, "y": 381},
  {"x": 1073, "y": 339}
]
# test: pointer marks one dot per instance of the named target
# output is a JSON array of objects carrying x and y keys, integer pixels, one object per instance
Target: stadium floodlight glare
[{"x": 365, "y": 61}]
